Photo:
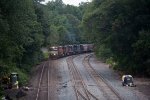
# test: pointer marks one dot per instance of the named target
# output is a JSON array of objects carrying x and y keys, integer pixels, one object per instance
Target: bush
[
  {"x": 103, "y": 52},
  {"x": 111, "y": 62},
  {"x": 46, "y": 55},
  {"x": 1, "y": 92}
]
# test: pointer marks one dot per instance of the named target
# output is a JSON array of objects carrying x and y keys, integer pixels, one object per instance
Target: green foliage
[
  {"x": 142, "y": 52},
  {"x": 114, "y": 27},
  {"x": 112, "y": 63},
  {"x": 46, "y": 55},
  {"x": 1, "y": 92},
  {"x": 103, "y": 52},
  {"x": 27, "y": 25},
  {"x": 63, "y": 22},
  {"x": 21, "y": 38},
  {"x": 74, "y": 11}
]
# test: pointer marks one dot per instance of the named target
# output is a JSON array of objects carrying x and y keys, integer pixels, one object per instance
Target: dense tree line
[
  {"x": 28, "y": 25},
  {"x": 120, "y": 30},
  {"x": 21, "y": 37},
  {"x": 64, "y": 21}
]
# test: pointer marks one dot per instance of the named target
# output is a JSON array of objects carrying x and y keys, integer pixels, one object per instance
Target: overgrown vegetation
[
  {"x": 20, "y": 38},
  {"x": 27, "y": 25},
  {"x": 120, "y": 30}
]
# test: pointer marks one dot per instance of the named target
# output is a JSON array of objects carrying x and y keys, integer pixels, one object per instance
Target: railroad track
[
  {"x": 80, "y": 88},
  {"x": 103, "y": 85},
  {"x": 52, "y": 81},
  {"x": 46, "y": 89},
  {"x": 43, "y": 88},
  {"x": 81, "y": 91}
]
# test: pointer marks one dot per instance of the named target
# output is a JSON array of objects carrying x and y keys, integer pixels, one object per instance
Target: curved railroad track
[
  {"x": 108, "y": 91},
  {"x": 81, "y": 91},
  {"x": 45, "y": 85}
]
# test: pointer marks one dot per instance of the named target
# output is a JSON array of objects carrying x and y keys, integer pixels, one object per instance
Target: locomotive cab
[{"x": 53, "y": 52}]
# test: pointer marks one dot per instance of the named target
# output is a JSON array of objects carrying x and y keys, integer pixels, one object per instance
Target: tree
[
  {"x": 114, "y": 26},
  {"x": 66, "y": 20},
  {"x": 22, "y": 35}
]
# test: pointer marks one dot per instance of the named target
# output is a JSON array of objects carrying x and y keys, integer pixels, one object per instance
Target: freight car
[
  {"x": 66, "y": 50},
  {"x": 70, "y": 49},
  {"x": 60, "y": 51},
  {"x": 84, "y": 48},
  {"x": 90, "y": 47},
  {"x": 76, "y": 49}
]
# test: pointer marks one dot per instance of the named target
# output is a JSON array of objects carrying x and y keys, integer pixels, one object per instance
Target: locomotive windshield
[{"x": 53, "y": 48}]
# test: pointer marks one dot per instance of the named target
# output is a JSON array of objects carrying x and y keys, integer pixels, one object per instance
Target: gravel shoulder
[
  {"x": 65, "y": 88},
  {"x": 141, "y": 92},
  {"x": 143, "y": 86}
]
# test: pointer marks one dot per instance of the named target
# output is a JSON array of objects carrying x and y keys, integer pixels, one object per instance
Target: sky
[{"x": 71, "y": 2}]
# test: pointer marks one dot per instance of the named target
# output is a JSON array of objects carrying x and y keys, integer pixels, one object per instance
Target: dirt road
[{"x": 80, "y": 77}]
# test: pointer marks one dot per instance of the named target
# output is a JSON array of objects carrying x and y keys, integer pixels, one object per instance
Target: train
[{"x": 56, "y": 52}]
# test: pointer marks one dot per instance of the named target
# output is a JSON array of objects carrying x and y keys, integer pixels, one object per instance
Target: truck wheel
[{"x": 123, "y": 84}]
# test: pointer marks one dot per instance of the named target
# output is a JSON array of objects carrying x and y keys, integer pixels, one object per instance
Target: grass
[{"x": 46, "y": 55}]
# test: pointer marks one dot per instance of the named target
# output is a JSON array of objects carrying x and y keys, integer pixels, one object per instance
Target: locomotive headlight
[{"x": 54, "y": 54}]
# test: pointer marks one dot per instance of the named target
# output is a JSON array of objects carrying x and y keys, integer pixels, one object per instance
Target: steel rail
[
  {"x": 76, "y": 75},
  {"x": 48, "y": 82},
  {"x": 39, "y": 85},
  {"x": 87, "y": 58},
  {"x": 74, "y": 79},
  {"x": 84, "y": 85}
]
